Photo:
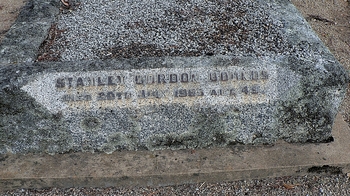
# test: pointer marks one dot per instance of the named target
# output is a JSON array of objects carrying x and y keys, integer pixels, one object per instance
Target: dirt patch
[
  {"x": 9, "y": 9},
  {"x": 45, "y": 52},
  {"x": 330, "y": 19}
]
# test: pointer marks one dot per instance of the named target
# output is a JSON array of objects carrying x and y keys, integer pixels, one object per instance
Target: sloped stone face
[
  {"x": 156, "y": 99},
  {"x": 22, "y": 41},
  {"x": 168, "y": 102}
]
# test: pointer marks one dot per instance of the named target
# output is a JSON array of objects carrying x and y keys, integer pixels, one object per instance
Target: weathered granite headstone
[{"x": 174, "y": 74}]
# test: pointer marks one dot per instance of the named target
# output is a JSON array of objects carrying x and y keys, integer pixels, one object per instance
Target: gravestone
[{"x": 158, "y": 75}]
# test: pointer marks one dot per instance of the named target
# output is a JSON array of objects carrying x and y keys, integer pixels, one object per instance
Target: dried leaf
[
  {"x": 289, "y": 186},
  {"x": 65, "y": 2}
]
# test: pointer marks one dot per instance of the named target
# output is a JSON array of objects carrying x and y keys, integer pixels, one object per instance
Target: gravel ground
[
  {"x": 303, "y": 185},
  {"x": 108, "y": 29}
]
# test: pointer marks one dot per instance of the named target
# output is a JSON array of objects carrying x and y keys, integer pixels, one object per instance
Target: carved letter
[
  {"x": 60, "y": 83},
  {"x": 233, "y": 92},
  {"x": 87, "y": 97},
  {"x": 150, "y": 79},
  {"x": 254, "y": 75},
  {"x": 67, "y": 98},
  {"x": 101, "y": 96},
  {"x": 119, "y": 80},
  {"x": 155, "y": 94},
  {"x": 91, "y": 82},
  {"x": 235, "y": 76},
  {"x": 110, "y": 81},
  {"x": 213, "y": 77},
  {"x": 192, "y": 92},
  {"x": 255, "y": 89},
  {"x": 127, "y": 95},
  {"x": 243, "y": 76},
  {"x": 173, "y": 78},
  {"x": 138, "y": 79},
  {"x": 181, "y": 93},
  {"x": 161, "y": 78},
  {"x": 245, "y": 90},
  {"x": 264, "y": 75},
  {"x": 142, "y": 94},
  {"x": 70, "y": 82},
  {"x": 224, "y": 76},
  {"x": 119, "y": 95},
  {"x": 80, "y": 82},
  {"x": 200, "y": 92},
  {"x": 99, "y": 82},
  {"x": 193, "y": 79},
  {"x": 110, "y": 96},
  {"x": 184, "y": 77}
]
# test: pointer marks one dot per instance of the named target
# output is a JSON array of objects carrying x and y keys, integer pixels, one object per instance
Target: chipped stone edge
[
  {"x": 21, "y": 43},
  {"x": 164, "y": 168}
]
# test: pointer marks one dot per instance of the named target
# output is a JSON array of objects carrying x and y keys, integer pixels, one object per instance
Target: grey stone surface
[
  {"x": 171, "y": 167},
  {"x": 265, "y": 77},
  {"x": 22, "y": 41},
  {"x": 39, "y": 113}
]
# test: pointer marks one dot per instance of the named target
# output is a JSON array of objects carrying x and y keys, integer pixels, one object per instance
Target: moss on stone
[{"x": 208, "y": 128}]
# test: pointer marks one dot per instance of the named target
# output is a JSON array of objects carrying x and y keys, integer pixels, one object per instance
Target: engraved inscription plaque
[{"x": 140, "y": 87}]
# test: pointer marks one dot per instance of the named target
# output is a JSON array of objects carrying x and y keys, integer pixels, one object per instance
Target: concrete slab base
[{"x": 159, "y": 168}]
